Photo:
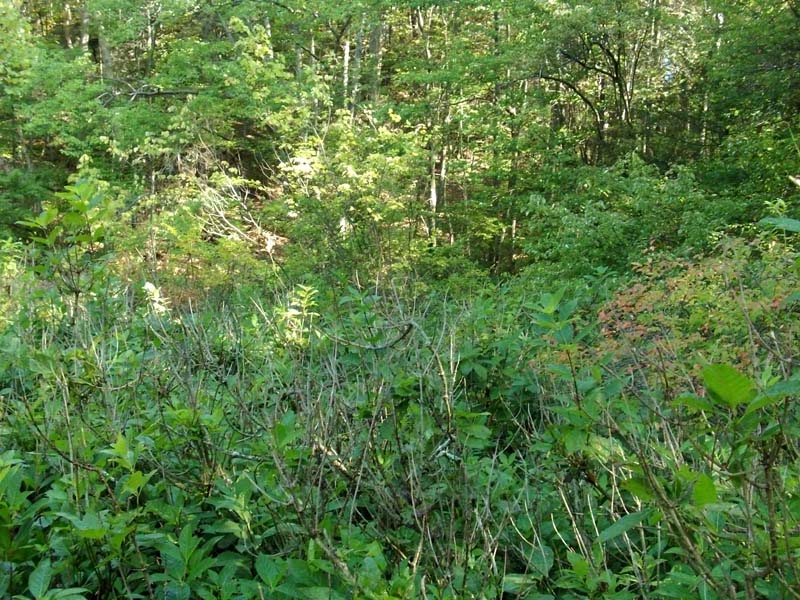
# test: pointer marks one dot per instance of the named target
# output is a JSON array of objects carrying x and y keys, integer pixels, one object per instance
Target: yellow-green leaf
[
  {"x": 705, "y": 492},
  {"x": 728, "y": 386}
]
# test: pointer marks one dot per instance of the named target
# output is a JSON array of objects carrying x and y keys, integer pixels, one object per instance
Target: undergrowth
[{"x": 575, "y": 443}]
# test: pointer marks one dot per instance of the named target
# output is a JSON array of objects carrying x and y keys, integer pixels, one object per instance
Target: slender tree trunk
[
  {"x": 298, "y": 51},
  {"x": 68, "y": 25},
  {"x": 268, "y": 31},
  {"x": 443, "y": 158},
  {"x": 151, "y": 41},
  {"x": 106, "y": 61},
  {"x": 356, "y": 73},
  {"x": 23, "y": 148},
  {"x": 376, "y": 53},
  {"x": 314, "y": 66},
  {"x": 84, "y": 28},
  {"x": 704, "y": 126},
  {"x": 496, "y": 41},
  {"x": 345, "y": 71},
  {"x": 433, "y": 197}
]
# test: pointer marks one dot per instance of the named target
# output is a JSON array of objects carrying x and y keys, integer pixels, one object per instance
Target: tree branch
[{"x": 598, "y": 121}]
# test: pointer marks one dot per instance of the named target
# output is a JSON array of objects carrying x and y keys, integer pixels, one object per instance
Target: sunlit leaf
[
  {"x": 728, "y": 386},
  {"x": 704, "y": 492}
]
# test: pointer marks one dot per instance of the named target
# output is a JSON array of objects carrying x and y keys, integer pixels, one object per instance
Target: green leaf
[
  {"x": 548, "y": 302},
  {"x": 541, "y": 560},
  {"x": 269, "y": 570},
  {"x": 774, "y": 394},
  {"x": 136, "y": 481},
  {"x": 47, "y": 217},
  {"x": 70, "y": 594},
  {"x": 320, "y": 593},
  {"x": 705, "y": 492},
  {"x": 90, "y": 526},
  {"x": 476, "y": 430},
  {"x": 173, "y": 558},
  {"x": 784, "y": 223},
  {"x": 693, "y": 402},
  {"x": 638, "y": 487},
  {"x": 792, "y": 298},
  {"x": 50, "y": 240},
  {"x": 187, "y": 542},
  {"x": 122, "y": 453},
  {"x": 727, "y": 385},
  {"x": 177, "y": 590},
  {"x": 286, "y": 431},
  {"x": 580, "y": 565},
  {"x": 73, "y": 220},
  {"x": 622, "y": 525},
  {"x": 39, "y": 580},
  {"x": 575, "y": 440},
  {"x": 519, "y": 583}
]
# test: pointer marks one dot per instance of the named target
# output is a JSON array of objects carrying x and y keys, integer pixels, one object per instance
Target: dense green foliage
[{"x": 389, "y": 300}]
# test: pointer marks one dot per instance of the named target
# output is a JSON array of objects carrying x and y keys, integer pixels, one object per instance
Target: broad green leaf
[
  {"x": 480, "y": 371},
  {"x": 623, "y": 525},
  {"x": 39, "y": 579},
  {"x": 187, "y": 542},
  {"x": 774, "y": 394},
  {"x": 321, "y": 593},
  {"x": 541, "y": 560},
  {"x": 605, "y": 449},
  {"x": 136, "y": 481},
  {"x": 177, "y": 590},
  {"x": 575, "y": 440},
  {"x": 73, "y": 220},
  {"x": 637, "y": 487},
  {"x": 46, "y": 217},
  {"x": 30, "y": 224},
  {"x": 579, "y": 564},
  {"x": 704, "y": 492},
  {"x": 269, "y": 570},
  {"x": 728, "y": 386},
  {"x": 784, "y": 223},
  {"x": 565, "y": 334},
  {"x": 53, "y": 235},
  {"x": 519, "y": 583},
  {"x": 761, "y": 401},
  {"x": 476, "y": 430},
  {"x": 693, "y": 402},
  {"x": 90, "y": 526},
  {"x": 70, "y": 594},
  {"x": 122, "y": 452},
  {"x": 790, "y": 299},
  {"x": 548, "y": 302},
  {"x": 170, "y": 551},
  {"x": 286, "y": 431}
]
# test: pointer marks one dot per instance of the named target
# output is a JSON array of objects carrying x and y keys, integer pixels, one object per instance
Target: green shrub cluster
[{"x": 302, "y": 444}]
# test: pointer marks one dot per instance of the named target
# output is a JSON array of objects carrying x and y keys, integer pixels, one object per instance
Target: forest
[{"x": 399, "y": 299}]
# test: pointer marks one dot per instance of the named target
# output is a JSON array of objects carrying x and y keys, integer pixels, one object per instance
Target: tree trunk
[
  {"x": 356, "y": 74},
  {"x": 84, "y": 29},
  {"x": 433, "y": 197},
  {"x": 268, "y": 31},
  {"x": 68, "y": 25},
  {"x": 106, "y": 61},
  {"x": 345, "y": 71},
  {"x": 151, "y": 41},
  {"x": 376, "y": 53}
]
